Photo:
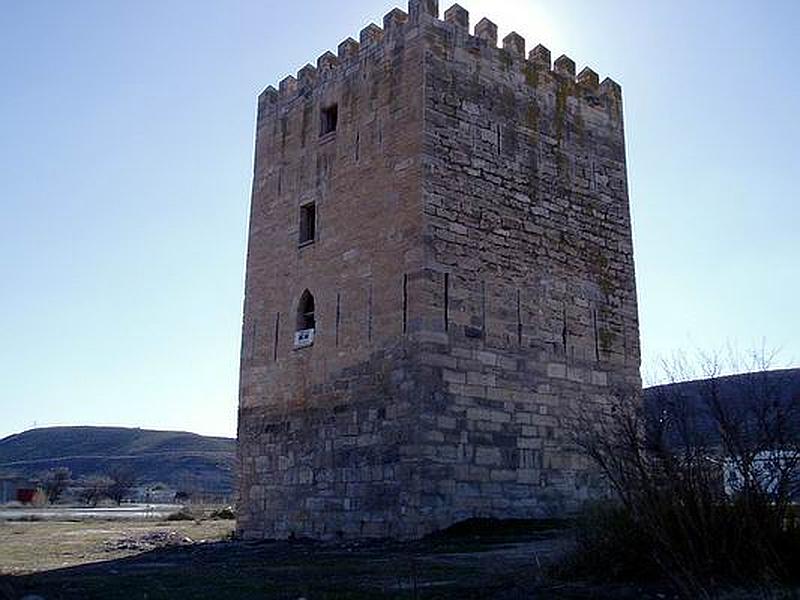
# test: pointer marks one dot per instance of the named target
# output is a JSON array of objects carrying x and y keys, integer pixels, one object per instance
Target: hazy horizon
[{"x": 126, "y": 166}]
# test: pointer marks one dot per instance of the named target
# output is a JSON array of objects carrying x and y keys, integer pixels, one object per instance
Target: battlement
[{"x": 400, "y": 27}]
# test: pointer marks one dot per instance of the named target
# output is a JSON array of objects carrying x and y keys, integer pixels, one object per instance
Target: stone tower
[{"x": 439, "y": 274}]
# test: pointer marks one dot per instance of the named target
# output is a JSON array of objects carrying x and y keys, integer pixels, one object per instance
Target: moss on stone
[
  {"x": 308, "y": 108},
  {"x": 531, "y": 74},
  {"x": 532, "y": 116},
  {"x": 607, "y": 338},
  {"x": 505, "y": 59},
  {"x": 565, "y": 90},
  {"x": 507, "y": 102}
]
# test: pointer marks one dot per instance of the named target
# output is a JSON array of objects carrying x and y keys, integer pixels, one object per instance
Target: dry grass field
[{"x": 33, "y": 546}]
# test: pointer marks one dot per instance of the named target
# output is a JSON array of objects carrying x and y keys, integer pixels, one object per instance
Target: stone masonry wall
[
  {"x": 528, "y": 237},
  {"x": 325, "y": 431},
  {"x": 473, "y": 282}
]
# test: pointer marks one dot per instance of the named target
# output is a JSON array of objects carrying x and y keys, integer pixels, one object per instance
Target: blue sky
[{"x": 126, "y": 137}]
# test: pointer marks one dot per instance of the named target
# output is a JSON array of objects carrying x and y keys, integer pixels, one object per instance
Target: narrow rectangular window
[
  {"x": 405, "y": 303},
  {"x": 254, "y": 339},
  {"x": 446, "y": 301},
  {"x": 369, "y": 314},
  {"x": 329, "y": 119},
  {"x": 483, "y": 308},
  {"x": 308, "y": 223},
  {"x": 248, "y": 347},
  {"x": 277, "y": 333},
  {"x": 519, "y": 319},
  {"x": 338, "y": 316},
  {"x": 596, "y": 336}
]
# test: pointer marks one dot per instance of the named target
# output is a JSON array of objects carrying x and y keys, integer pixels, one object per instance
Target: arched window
[
  {"x": 305, "y": 312},
  {"x": 304, "y": 335}
]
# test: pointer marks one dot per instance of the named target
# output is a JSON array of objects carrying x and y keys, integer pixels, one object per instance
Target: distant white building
[
  {"x": 770, "y": 468},
  {"x": 158, "y": 494}
]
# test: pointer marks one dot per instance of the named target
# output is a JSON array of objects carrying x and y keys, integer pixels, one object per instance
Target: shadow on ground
[{"x": 468, "y": 563}]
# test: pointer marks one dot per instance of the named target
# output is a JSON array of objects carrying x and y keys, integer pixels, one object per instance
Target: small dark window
[
  {"x": 305, "y": 312},
  {"x": 308, "y": 223},
  {"x": 329, "y": 119}
]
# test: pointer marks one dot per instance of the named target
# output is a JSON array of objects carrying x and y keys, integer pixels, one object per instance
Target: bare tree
[
  {"x": 55, "y": 483},
  {"x": 95, "y": 488},
  {"x": 123, "y": 479}
]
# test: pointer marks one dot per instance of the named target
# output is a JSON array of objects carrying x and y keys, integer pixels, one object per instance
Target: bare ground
[{"x": 186, "y": 559}]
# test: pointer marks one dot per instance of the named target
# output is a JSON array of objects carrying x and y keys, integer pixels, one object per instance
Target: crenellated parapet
[
  {"x": 487, "y": 31},
  {"x": 458, "y": 17},
  {"x": 512, "y": 50},
  {"x": 400, "y": 26},
  {"x": 540, "y": 57}
]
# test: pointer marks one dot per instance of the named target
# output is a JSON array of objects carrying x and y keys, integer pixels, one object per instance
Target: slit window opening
[
  {"x": 308, "y": 223},
  {"x": 329, "y": 119}
]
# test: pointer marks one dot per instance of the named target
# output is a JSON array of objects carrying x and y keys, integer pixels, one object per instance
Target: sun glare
[{"x": 529, "y": 19}]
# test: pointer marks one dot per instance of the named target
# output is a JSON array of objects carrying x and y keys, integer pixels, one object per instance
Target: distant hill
[
  {"x": 179, "y": 459},
  {"x": 745, "y": 394}
]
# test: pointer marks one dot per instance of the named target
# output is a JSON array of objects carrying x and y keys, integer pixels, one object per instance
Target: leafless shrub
[
  {"x": 185, "y": 514},
  {"x": 706, "y": 471},
  {"x": 226, "y": 513}
]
